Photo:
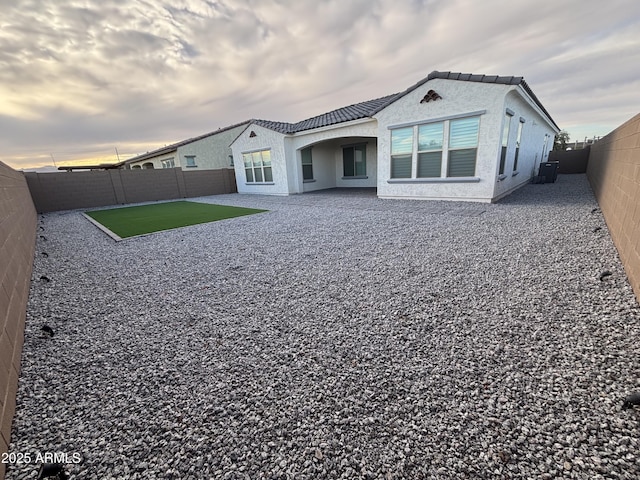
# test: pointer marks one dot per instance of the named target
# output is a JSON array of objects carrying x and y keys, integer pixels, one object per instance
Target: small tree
[{"x": 561, "y": 140}]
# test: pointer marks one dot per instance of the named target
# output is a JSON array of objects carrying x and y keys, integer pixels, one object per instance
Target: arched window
[{"x": 147, "y": 166}]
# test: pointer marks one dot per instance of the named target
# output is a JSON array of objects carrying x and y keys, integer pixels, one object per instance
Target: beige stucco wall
[
  {"x": 211, "y": 152},
  {"x": 157, "y": 160},
  {"x": 18, "y": 220}
]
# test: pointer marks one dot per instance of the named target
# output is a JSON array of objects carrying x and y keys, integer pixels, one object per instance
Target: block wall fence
[
  {"x": 18, "y": 223},
  {"x": 614, "y": 174},
  {"x": 53, "y": 192},
  {"x": 571, "y": 161}
]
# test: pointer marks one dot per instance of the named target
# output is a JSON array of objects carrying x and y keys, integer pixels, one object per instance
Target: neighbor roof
[{"x": 174, "y": 146}]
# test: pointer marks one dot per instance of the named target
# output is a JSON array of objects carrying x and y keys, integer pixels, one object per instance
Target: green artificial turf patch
[{"x": 130, "y": 221}]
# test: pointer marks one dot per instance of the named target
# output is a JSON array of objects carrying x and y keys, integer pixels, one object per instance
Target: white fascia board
[{"x": 522, "y": 92}]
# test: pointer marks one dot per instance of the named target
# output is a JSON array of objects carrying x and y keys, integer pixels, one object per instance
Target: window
[
  {"x": 257, "y": 166},
  {"x": 430, "y": 149},
  {"x": 147, "y": 166},
  {"x": 518, "y": 140},
  {"x": 505, "y": 142},
  {"x": 136, "y": 167},
  {"x": 354, "y": 161},
  {"x": 401, "y": 152},
  {"x": 421, "y": 150},
  {"x": 307, "y": 164},
  {"x": 463, "y": 147},
  {"x": 168, "y": 163},
  {"x": 231, "y": 160},
  {"x": 191, "y": 160}
]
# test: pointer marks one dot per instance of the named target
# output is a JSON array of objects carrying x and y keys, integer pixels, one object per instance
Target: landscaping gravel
[{"x": 336, "y": 336}]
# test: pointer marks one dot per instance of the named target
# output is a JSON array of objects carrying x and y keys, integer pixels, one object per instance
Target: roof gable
[{"x": 470, "y": 77}]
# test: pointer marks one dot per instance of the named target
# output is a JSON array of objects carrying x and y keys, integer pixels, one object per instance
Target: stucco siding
[
  {"x": 371, "y": 164},
  {"x": 324, "y": 166},
  {"x": 157, "y": 161},
  {"x": 534, "y": 146},
  {"x": 458, "y": 98},
  {"x": 264, "y": 139},
  {"x": 327, "y": 145},
  {"x": 211, "y": 152}
]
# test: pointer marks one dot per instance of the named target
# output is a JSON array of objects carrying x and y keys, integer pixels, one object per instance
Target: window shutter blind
[
  {"x": 401, "y": 166},
  {"x": 429, "y": 164},
  {"x": 462, "y": 163}
]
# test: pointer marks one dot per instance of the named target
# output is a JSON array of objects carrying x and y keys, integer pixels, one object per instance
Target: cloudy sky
[{"x": 80, "y": 78}]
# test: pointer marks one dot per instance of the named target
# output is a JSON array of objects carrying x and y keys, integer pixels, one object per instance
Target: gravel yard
[{"x": 336, "y": 336}]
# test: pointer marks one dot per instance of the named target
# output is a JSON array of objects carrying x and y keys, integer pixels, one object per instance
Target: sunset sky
[{"x": 79, "y": 79}]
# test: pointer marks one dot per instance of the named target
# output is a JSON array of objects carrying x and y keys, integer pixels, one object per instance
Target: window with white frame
[
  {"x": 191, "y": 160},
  {"x": 424, "y": 147},
  {"x": 307, "y": 164},
  {"x": 518, "y": 140},
  {"x": 257, "y": 166},
  {"x": 168, "y": 163}
]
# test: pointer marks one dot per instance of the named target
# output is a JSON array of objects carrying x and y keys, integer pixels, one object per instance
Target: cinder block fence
[
  {"x": 97, "y": 188},
  {"x": 18, "y": 222},
  {"x": 614, "y": 174}
]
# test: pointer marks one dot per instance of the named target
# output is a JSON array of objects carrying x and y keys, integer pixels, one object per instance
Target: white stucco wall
[
  {"x": 265, "y": 139},
  {"x": 458, "y": 98},
  {"x": 327, "y": 145},
  {"x": 371, "y": 164},
  {"x": 323, "y": 156},
  {"x": 532, "y": 146}
]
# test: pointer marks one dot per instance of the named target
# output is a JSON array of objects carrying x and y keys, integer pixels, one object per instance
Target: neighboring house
[
  {"x": 206, "y": 152},
  {"x": 451, "y": 136}
]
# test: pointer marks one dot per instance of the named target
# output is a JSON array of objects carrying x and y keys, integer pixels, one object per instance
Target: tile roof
[
  {"x": 174, "y": 146},
  {"x": 344, "y": 114},
  {"x": 371, "y": 107},
  {"x": 340, "y": 115},
  {"x": 505, "y": 80}
]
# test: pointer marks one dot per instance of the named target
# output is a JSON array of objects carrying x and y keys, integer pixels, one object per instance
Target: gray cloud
[{"x": 77, "y": 76}]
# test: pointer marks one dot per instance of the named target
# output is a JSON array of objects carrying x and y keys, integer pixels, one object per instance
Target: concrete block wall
[
  {"x": 614, "y": 174},
  {"x": 97, "y": 188},
  {"x": 571, "y": 161},
  {"x": 18, "y": 220}
]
